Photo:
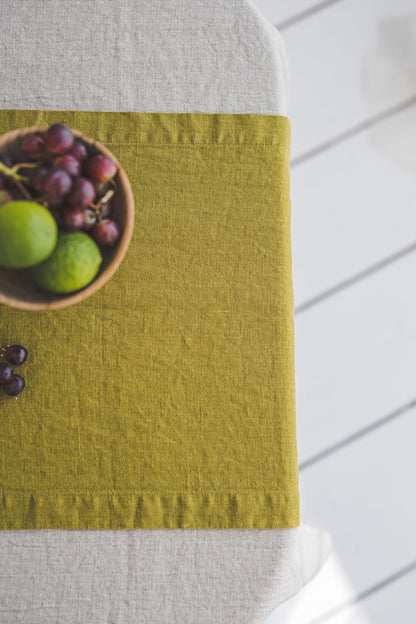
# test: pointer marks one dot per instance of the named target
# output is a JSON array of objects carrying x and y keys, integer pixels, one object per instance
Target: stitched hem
[
  {"x": 247, "y": 129},
  {"x": 202, "y": 510}
]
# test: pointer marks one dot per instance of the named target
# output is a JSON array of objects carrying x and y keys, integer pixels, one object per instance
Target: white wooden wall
[{"x": 353, "y": 114}]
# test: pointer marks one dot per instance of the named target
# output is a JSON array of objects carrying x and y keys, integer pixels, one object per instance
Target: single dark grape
[
  {"x": 3, "y": 182},
  {"x": 101, "y": 168},
  {"x": 37, "y": 178},
  {"x": 89, "y": 219},
  {"x": 78, "y": 151},
  {"x": 6, "y": 372},
  {"x": 57, "y": 184},
  {"x": 7, "y": 160},
  {"x": 59, "y": 138},
  {"x": 106, "y": 233},
  {"x": 72, "y": 218},
  {"x": 14, "y": 386},
  {"x": 68, "y": 163},
  {"x": 82, "y": 194},
  {"x": 5, "y": 197},
  {"x": 33, "y": 147},
  {"x": 16, "y": 355}
]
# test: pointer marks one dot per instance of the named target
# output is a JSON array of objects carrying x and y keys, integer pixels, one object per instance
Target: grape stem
[
  {"x": 99, "y": 206},
  {"x": 12, "y": 172},
  {"x": 22, "y": 189},
  {"x": 106, "y": 198}
]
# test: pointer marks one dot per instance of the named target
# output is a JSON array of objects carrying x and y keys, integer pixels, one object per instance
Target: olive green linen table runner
[{"x": 167, "y": 398}]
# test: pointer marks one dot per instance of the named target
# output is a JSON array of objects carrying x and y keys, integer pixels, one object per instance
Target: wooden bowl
[{"x": 18, "y": 289}]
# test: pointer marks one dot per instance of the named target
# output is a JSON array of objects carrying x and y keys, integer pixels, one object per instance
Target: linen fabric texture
[
  {"x": 167, "y": 399},
  {"x": 147, "y": 577},
  {"x": 166, "y": 55}
]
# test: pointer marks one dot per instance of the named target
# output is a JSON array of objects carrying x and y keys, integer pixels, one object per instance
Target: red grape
[
  {"x": 16, "y": 355},
  {"x": 106, "y": 233},
  {"x": 6, "y": 372},
  {"x": 33, "y": 147},
  {"x": 5, "y": 197},
  {"x": 14, "y": 386},
  {"x": 69, "y": 164},
  {"x": 3, "y": 182},
  {"x": 59, "y": 138},
  {"x": 82, "y": 193},
  {"x": 37, "y": 177},
  {"x": 57, "y": 184},
  {"x": 101, "y": 168},
  {"x": 78, "y": 151},
  {"x": 90, "y": 219},
  {"x": 72, "y": 218}
]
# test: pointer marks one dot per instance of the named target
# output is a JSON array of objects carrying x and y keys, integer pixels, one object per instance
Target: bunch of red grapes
[
  {"x": 15, "y": 355},
  {"x": 60, "y": 172}
]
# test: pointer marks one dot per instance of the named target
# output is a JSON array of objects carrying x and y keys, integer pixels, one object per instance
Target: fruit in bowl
[
  {"x": 66, "y": 216},
  {"x": 28, "y": 233}
]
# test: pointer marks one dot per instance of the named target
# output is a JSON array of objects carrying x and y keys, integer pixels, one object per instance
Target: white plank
[
  {"x": 363, "y": 496},
  {"x": 353, "y": 205},
  {"x": 394, "y": 603},
  {"x": 327, "y": 590},
  {"x": 356, "y": 357},
  {"x": 278, "y": 11},
  {"x": 347, "y": 63}
]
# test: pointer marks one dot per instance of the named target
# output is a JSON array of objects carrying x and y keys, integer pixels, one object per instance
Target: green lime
[
  {"x": 28, "y": 234},
  {"x": 73, "y": 264}
]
